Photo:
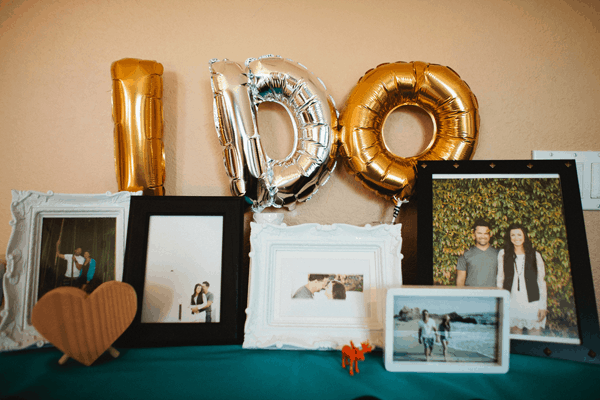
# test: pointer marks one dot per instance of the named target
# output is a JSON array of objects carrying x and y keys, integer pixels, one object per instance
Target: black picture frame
[
  {"x": 584, "y": 299},
  {"x": 233, "y": 277}
]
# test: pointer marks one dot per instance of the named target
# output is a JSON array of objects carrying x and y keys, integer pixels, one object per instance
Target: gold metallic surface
[
  {"x": 436, "y": 89},
  {"x": 138, "y": 116}
]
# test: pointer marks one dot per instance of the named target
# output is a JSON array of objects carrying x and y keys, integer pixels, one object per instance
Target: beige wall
[{"x": 534, "y": 66}]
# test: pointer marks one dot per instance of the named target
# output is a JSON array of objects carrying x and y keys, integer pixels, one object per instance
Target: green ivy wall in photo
[{"x": 534, "y": 202}]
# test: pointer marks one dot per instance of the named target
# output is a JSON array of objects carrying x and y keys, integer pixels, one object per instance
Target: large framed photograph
[
  {"x": 447, "y": 330},
  {"x": 320, "y": 286},
  {"x": 516, "y": 225},
  {"x": 184, "y": 260},
  {"x": 58, "y": 240}
]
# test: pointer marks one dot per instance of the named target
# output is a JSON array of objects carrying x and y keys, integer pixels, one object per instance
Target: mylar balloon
[
  {"x": 436, "y": 89},
  {"x": 138, "y": 116},
  {"x": 237, "y": 94}
]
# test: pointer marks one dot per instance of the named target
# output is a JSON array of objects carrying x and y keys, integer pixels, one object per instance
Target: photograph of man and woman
[
  {"x": 77, "y": 252},
  {"x": 201, "y": 303},
  {"x": 324, "y": 285},
  {"x": 447, "y": 329},
  {"x": 508, "y": 233},
  {"x": 183, "y": 270},
  {"x": 329, "y": 286}
]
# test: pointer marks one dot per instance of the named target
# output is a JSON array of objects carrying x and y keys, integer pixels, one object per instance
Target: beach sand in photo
[{"x": 407, "y": 347}]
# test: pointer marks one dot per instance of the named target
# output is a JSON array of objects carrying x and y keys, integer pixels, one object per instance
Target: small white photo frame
[
  {"x": 475, "y": 340},
  {"x": 319, "y": 287}
]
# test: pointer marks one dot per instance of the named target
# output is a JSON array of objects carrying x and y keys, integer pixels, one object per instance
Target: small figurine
[{"x": 353, "y": 355}]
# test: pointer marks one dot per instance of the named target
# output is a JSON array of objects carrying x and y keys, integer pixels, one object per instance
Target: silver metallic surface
[{"x": 237, "y": 94}]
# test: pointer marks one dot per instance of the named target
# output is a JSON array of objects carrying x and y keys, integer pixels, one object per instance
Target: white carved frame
[
  {"x": 28, "y": 209},
  {"x": 266, "y": 325},
  {"x": 467, "y": 295}
]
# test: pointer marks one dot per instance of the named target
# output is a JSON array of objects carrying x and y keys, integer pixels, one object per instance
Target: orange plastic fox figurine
[{"x": 352, "y": 355}]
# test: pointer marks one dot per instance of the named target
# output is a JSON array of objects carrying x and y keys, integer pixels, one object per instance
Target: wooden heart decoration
[{"x": 81, "y": 326}]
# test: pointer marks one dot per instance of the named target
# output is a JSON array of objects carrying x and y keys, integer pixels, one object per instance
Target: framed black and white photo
[
  {"x": 75, "y": 240},
  {"x": 184, "y": 261},
  {"x": 319, "y": 286},
  {"x": 447, "y": 330},
  {"x": 516, "y": 225}
]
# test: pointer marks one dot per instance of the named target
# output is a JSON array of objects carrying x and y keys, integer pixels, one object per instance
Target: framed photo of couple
[
  {"x": 317, "y": 287},
  {"x": 447, "y": 330},
  {"x": 515, "y": 225},
  {"x": 58, "y": 239},
  {"x": 183, "y": 258}
]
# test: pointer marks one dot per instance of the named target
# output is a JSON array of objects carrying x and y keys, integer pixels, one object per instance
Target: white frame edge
[
  {"x": 28, "y": 208},
  {"x": 265, "y": 330},
  {"x": 499, "y": 367}
]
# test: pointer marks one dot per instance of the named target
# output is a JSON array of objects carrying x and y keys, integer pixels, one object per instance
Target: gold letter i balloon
[
  {"x": 138, "y": 116},
  {"x": 436, "y": 89}
]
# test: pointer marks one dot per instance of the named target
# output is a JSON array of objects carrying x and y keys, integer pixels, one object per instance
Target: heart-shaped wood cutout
[{"x": 81, "y": 326}]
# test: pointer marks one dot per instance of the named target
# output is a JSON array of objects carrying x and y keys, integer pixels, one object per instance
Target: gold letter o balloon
[{"x": 436, "y": 89}]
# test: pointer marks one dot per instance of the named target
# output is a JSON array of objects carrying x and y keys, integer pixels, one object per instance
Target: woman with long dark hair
[
  {"x": 335, "y": 291},
  {"x": 198, "y": 298},
  {"x": 444, "y": 334},
  {"x": 521, "y": 271}
]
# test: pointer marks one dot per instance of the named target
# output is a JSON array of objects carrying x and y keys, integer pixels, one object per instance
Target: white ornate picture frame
[
  {"x": 281, "y": 260},
  {"x": 477, "y": 339},
  {"x": 21, "y": 280}
]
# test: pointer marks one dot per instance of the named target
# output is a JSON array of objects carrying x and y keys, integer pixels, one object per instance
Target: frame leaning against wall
[
  {"x": 157, "y": 285},
  {"x": 39, "y": 221},
  {"x": 365, "y": 260},
  {"x": 544, "y": 197}
]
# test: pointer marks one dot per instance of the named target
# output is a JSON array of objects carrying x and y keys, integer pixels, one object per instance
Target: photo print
[
  {"x": 508, "y": 231},
  {"x": 183, "y": 270},
  {"x": 446, "y": 329},
  {"x": 324, "y": 284},
  {"x": 77, "y": 252},
  {"x": 329, "y": 286}
]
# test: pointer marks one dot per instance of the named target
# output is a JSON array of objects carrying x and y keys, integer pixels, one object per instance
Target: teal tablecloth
[{"x": 229, "y": 372}]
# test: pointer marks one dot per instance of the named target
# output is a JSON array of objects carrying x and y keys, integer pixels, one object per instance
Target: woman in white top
[
  {"x": 198, "y": 299},
  {"x": 521, "y": 271}
]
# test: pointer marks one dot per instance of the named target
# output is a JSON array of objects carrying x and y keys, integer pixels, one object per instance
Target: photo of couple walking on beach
[{"x": 445, "y": 329}]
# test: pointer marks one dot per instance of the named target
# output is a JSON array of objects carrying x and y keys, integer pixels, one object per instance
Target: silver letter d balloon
[{"x": 237, "y": 94}]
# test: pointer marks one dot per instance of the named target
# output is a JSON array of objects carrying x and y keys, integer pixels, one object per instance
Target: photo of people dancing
[{"x": 76, "y": 252}]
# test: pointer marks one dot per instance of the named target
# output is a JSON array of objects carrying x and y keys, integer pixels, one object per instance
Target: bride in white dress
[{"x": 521, "y": 270}]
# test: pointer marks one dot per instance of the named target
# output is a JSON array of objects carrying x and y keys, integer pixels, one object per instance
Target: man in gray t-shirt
[
  {"x": 316, "y": 283},
  {"x": 478, "y": 266}
]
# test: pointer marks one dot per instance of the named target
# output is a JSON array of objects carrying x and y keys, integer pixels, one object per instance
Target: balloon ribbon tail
[{"x": 398, "y": 203}]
